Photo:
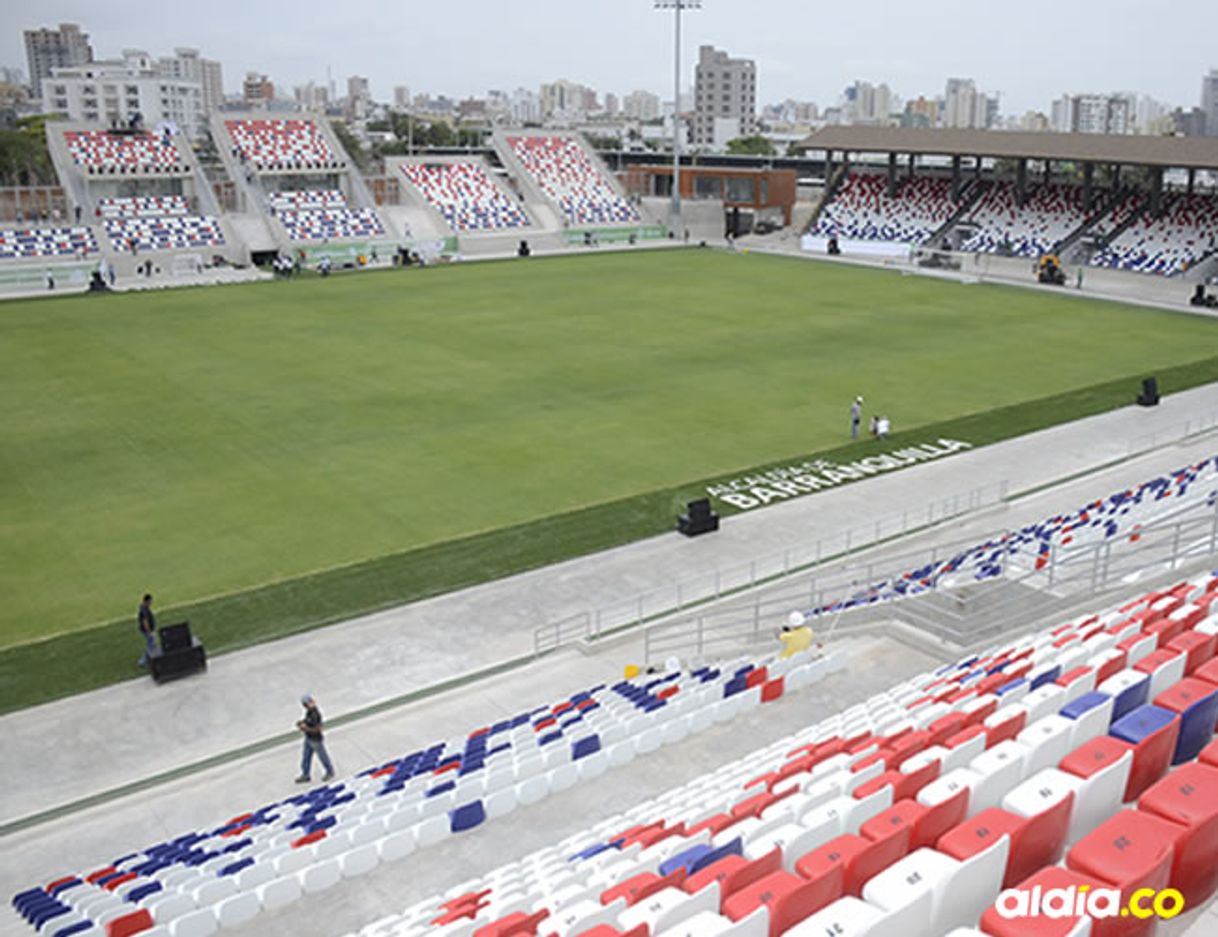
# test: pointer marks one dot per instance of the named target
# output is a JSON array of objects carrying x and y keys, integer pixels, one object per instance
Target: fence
[
  {"x": 963, "y": 615},
  {"x": 716, "y": 584}
]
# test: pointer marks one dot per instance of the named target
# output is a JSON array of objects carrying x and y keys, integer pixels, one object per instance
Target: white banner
[{"x": 792, "y": 481}]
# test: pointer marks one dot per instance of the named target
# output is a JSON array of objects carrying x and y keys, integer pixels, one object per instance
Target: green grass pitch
[{"x": 206, "y": 441}]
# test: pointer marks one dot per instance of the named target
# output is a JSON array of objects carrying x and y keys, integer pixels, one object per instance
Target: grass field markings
[{"x": 266, "y": 744}]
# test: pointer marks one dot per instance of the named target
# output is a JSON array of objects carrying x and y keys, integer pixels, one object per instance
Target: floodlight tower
[{"x": 676, "y": 6}]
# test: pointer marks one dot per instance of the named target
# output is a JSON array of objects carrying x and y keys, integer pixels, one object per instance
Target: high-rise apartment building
[
  {"x": 725, "y": 97},
  {"x": 1209, "y": 102},
  {"x": 641, "y": 105},
  {"x": 1094, "y": 113},
  {"x": 257, "y": 90},
  {"x": 46, "y": 49},
  {"x": 188, "y": 65},
  {"x": 965, "y": 107}
]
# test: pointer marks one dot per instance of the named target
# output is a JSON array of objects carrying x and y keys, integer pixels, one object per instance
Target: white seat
[
  {"x": 916, "y": 888},
  {"x": 500, "y": 803},
  {"x": 1166, "y": 674},
  {"x": 998, "y": 770},
  {"x": 1099, "y": 797},
  {"x": 210, "y": 892},
  {"x": 973, "y": 886},
  {"x": 167, "y": 907},
  {"x": 397, "y": 845},
  {"x": 1141, "y": 647},
  {"x": 667, "y": 908},
  {"x": 238, "y": 909},
  {"x": 709, "y": 924},
  {"x": 593, "y": 765},
  {"x": 962, "y": 754},
  {"x": 564, "y": 776},
  {"x": 650, "y": 740},
  {"x": 533, "y": 790},
  {"x": 848, "y": 917},
  {"x": 279, "y": 893},
  {"x": 584, "y": 915},
  {"x": 319, "y": 877},
  {"x": 1091, "y": 723},
  {"x": 254, "y": 875},
  {"x": 794, "y": 841},
  {"x": 359, "y": 860},
  {"x": 1043, "y": 701},
  {"x": 1048, "y": 740},
  {"x": 201, "y": 923}
]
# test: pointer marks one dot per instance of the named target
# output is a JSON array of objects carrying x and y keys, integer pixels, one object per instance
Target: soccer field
[{"x": 206, "y": 441}]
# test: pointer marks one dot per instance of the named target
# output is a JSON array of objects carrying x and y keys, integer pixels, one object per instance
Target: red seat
[
  {"x": 1152, "y": 732},
  {"x": 1129, "y": 850},
  {"x": 517, "y": 924},
  {"x": 1052, "y": 877},
  {"x": 1113, "y": 663},
  {"x": 1208, "y": 672},
  {"x": 772, "y": 690},
  {"x": 733, "y": 873},
  {"x": 826, "y": 870},
  {"x": 128, "y": 924},
  {"x": 717, "y": 871},
  {"x": 1077, "y": 681},
  {"x": 852, "y": 857},
  {"x": 789, "y": 899},
  {"x": 1189, "y": 797},
  {"x": 1004, "y": 726},
  {"x": 1165, "y": 629},
  {"x": 945, "y": 727},
  {"x": 756, "y": 677},
  {"x": 1045, "y": 802},
  {"x": 1197, "y": 648}
]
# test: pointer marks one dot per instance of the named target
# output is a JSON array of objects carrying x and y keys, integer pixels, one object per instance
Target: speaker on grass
[
  {"x": 698, "y": 518},
  {"x": 1150, "y": 393}
]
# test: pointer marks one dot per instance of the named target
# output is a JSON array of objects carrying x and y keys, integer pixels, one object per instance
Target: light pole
[{"x": 676, "y": 6}]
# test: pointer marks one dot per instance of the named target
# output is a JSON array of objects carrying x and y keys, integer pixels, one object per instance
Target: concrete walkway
[{"x": 70, "y": 749}]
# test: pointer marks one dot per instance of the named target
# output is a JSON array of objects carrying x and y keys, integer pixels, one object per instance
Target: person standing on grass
[
  {"x": 147, "y": 622},
  {"x": 311, "y": 726},
  {"x": 856, "y": 417}
]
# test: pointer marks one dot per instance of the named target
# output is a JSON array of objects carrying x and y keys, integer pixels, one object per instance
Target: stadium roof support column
[
  {"x": 913, "y": 162},
  {"x": 976, "y": 168},
  {"x": 1156, "y": 191},
  {"x": 828, "y": 168},
  {"x": 1021, "y": 182},
  {"x": 1192, "y": 179},
  {"x": 1116, "y": 177},
  {"x": 1088, "y": 178},
  {"x": 892, "y": 175},
  {"x": 956, "y": 178}
]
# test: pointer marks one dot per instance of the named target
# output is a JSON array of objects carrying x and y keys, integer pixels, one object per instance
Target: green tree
[
  {"x": 750, "y": 146},
  {"x": 24, "y": 158},
  {"x": 358, "y": 154}
]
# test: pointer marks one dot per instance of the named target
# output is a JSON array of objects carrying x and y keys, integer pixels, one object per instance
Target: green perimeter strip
[
  {"x": 255, "y": 748},
  {"x": 76, "y": 661}
]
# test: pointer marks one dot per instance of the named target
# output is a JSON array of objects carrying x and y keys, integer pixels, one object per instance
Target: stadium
[{"x": 659, "y": 574}]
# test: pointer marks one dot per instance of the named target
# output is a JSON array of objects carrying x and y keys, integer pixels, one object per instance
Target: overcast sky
[{"x": 1030, "y": 52}]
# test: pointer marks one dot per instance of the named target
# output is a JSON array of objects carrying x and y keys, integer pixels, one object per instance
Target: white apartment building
[
  {"x": 641, "y": 105},
  {"x": 111, "y": 91},
  {"x": 188, "y": 65}
]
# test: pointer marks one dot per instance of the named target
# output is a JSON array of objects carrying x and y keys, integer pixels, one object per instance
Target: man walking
[
  {"x": 311, "y": 725},
  {"x": 856, "y": 416},
  {"x": 147, "y": 622}
]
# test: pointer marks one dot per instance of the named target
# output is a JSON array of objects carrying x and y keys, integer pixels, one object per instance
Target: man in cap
[
  {"x": 311, "y": 725},
  {"x": 856, "y": 417}
]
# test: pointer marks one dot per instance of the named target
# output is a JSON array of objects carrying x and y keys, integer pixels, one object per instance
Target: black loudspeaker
[
  {"x": 699, "y": 519},
  {"x": 1150, "y": 393},
  {"x": 180, "y": 653}
]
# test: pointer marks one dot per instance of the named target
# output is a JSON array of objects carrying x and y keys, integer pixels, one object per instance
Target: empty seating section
[
  {"x": 323, "y": 215},
  {"x": 1122, "y": 514},
  {"x": 307, "y": 199},
  {"x": 1186, "y": 232},
  {"x": 99, "y": 153},
  {"x": 908, "y": 814},
  {"x": 465, "y": 195},
  {"x": 33, "y": 243},
  {"x": 1049, "y": 214},
  {"x": 142, "y": 206},
  {"x": 567, "y": 174},
  {"x": 862, "y": 209},
  {"x": 281, "y": 144},
  {"x": 172, "y": 232},
  {"x": 267, "y": 857}
]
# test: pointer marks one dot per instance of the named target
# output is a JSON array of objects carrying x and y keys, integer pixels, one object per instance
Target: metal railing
[
  {"x": 716, "y": 584},
  {"x": 964, "y": 613}
]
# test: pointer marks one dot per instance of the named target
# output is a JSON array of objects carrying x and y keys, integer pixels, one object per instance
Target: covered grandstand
[{"x": 1096, "y": 200}]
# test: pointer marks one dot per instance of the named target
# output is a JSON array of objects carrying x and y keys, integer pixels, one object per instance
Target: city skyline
[{"x": 808, "y": 58}]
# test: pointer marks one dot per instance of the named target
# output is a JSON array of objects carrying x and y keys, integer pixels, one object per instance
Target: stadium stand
[
  {"x": 1122, "y": 514},
  {"x": 99, "y": 153},
  {"x": 171, "y": 232},
  {"x": 282, "y": 144},
  {"x": 142, "y": 206},
  {"x": 862, "y": 209},
  {"x": 325, "y": 224},
  {"x": 468, "y": 199},
  {"x": 1048, "y": 216},
  {"x": 29, "y": 243},
  {"x": 1056, "y": 759},
  {"x": 307, "y": 200},
  {"x": 268, "y": 857},
  {"x": 1168, "y": 244},
  {"x": 567, "y": 175}
]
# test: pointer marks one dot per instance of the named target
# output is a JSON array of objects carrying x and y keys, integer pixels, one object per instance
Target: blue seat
[
  {"x": 73, "y": 929},
  {"x": 1141, "y": 724},
  {"x": 685, "y": 859},
  {"x": 139, "y": 894},
  {"x": 1047, "y": 677},
  {"x": 582, "y": 748},
  {"x": 466, "y": 817},
  {"x": 1088, "y": 701},
  {"x": 1131, "y": 697},
  {"x": 734, "y": 848},
  {"x": 1010, "y": 685}
]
